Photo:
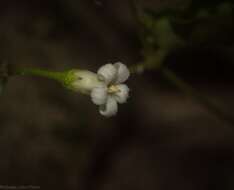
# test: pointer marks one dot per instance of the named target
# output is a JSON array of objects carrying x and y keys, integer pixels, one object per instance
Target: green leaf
[{"x": 161, "y": 32}]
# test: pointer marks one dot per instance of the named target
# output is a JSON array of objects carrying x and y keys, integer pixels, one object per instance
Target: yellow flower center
[{"x": 113, "y": 89}]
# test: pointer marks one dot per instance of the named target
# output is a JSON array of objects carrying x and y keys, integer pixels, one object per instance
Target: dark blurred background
[{"x": 161, "y": 139}]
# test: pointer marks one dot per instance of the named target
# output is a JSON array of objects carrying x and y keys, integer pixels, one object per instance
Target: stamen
[{"x": 113, "y": 89}]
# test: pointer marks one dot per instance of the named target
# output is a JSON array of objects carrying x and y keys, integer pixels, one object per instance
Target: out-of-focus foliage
[
  {"x": 161, "y": 33},
  {"x": 202, "y": 23},
  {"x": 198, "y": 22}
]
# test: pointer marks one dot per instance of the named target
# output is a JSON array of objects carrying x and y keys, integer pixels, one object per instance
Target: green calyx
[{"x": 69, "y": 78}]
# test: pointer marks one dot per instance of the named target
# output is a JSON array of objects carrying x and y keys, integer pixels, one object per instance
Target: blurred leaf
[
  {"x": 161, "y": 32},
  {"x": 202, "y": 23}
]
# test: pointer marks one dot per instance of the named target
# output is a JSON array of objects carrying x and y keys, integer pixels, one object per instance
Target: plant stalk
[{"x": 58, "y": 76}]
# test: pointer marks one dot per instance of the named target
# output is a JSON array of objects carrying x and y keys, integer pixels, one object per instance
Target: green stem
[
  {"x": 58, "y": 76},
  {"x": 153, "y": 61},
  {"x": 203, "y": 100}
]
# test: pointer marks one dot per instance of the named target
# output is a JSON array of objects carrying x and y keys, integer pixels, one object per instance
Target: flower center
[{"x": 113, "y": 89}]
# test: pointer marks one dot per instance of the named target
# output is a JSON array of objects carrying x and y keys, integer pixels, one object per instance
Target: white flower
[
  {"x": 112, "y": 91},
  {"x": 105, "y": 87}
]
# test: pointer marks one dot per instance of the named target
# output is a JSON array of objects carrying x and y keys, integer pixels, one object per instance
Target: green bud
[{"x": 81, "y": 81}]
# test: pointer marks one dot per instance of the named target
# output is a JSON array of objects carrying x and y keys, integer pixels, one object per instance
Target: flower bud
[{"x": 82, "y": 81}]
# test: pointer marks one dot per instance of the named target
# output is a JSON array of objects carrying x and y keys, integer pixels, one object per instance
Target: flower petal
[
  {"x": 107, "y": 73},
  {"x": 110, "y": 108},
  {"x": 122, "y": 95},
  {"x": 99, "y": 95},
  {"x": 122, "y": 72}
]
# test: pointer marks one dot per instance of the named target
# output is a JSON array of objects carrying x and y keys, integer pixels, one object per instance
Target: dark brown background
[{"x": 56, "y": 139}]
